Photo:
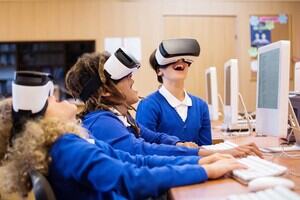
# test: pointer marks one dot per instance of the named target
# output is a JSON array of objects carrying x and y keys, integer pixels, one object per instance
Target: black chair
[{"x": 41, "y": 187}]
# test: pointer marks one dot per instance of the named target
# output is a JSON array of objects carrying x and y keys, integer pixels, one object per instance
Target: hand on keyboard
[
  {"x": 222, "y": 167},
  {"x": 187, "y": 144},
  {"x": 213, "y": 158},
  {"x": 243, "y": 150}
]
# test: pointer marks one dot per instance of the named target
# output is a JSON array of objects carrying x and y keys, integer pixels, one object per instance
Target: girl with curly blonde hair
[{"x": 41, "y": 134}]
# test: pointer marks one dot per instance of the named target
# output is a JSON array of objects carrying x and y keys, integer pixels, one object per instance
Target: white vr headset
[
  {"x": 30, "y": 91},
  {"x": 172, "y": 50},
  {"x": 121, "y": 64},
  {"x": 118, "y": 65}
]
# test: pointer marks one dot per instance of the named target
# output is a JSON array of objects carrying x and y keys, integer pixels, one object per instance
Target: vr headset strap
[{"x": 90, "y": 87}]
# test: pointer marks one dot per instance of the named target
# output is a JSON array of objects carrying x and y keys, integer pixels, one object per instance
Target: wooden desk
[{"x": 221, "y": 188}]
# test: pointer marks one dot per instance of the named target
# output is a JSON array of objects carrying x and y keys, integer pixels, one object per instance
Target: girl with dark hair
[{"x": 109, "y": 98}]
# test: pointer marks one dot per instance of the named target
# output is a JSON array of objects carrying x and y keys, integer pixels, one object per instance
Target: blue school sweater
[
  {"x": 106, "y": 126},
  {"x": 155, "y": 113},
  {"x": 83, "y": 170}
]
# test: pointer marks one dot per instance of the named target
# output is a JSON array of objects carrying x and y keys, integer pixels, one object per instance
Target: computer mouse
[{"x": 270, "y": 182}]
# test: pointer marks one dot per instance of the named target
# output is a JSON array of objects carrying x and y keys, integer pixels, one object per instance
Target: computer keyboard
[
  {"x": 229, "y": 145},
  {"x": 240, "y": 126},
  {"x": 236, "y": 133},
  {"x": 283, "y": 148},
  {"x": 277, "y": 193},
  {"x": 257, "y": 167},
  {"x": 220, "y": 146}
]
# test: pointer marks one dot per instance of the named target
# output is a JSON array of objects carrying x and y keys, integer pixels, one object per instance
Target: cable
[
  {"x": 222, "y": 104},
  {"x": 247, "y": 116}
]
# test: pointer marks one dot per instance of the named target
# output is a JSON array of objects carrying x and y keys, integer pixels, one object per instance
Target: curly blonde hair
[
  {"x": 29, "y": 150},
  {"x": 5, "y": 124}
]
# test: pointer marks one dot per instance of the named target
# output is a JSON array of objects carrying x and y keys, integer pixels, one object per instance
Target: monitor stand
[{"x": 247, "y": 124}]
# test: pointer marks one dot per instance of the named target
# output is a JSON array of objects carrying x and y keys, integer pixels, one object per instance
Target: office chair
[{"x": 41, "y": 187}]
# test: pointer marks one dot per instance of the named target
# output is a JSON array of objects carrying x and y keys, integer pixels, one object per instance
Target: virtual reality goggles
[
  {"x": 118, "y": 65},
  {"x": 30, "y": 91},
  {"x": 172, "y": 50},
  {"x": 121, "y": 64}
]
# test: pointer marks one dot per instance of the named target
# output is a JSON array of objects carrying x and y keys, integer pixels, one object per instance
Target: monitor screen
[
  {"x": 227, "y": 86},
  {"x": 268, "y": 79},
  {"x": 208, "y": 79}
]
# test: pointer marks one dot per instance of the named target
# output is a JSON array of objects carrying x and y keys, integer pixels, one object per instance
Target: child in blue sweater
[
  {"x": 105, "y": 85},
  {"x": 45, "y": 137},
  {"x": 171, "y": 109}
]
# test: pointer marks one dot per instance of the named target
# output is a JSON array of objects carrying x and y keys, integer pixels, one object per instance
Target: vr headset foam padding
[{"x": 169, "y": 51}]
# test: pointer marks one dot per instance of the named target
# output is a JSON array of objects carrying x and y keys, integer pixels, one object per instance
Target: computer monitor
[
  {"x": 295, "y": 102},
  {"x": 297, "y": 77},
  {"x": 273, "y": 89},
  {"x": 231, "y": 89},
  {"x": 212, "y": 92}
]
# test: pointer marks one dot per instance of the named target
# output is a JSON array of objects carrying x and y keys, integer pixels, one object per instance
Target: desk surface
[{"x": 221, "y": 188}]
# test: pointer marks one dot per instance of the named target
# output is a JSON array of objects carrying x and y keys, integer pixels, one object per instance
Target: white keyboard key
[
  {"x": 286, "y": 193},
  {"x": 257, "y": 167},
  {"x": 220, "y": 146},
  {"x": 273, "y": 194},
  {"x": 284, "y": 148},
  {"x": 262, "y": 195},
  {"x": 268, "y": 163}
]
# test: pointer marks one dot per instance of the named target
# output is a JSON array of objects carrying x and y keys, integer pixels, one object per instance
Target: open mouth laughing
[{"x": 178, "y": 67}]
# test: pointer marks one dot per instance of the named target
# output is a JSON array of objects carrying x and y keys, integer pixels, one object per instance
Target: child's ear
[
  {"x": 159, "y": 72},
  {"x": 105, "y": 93}
]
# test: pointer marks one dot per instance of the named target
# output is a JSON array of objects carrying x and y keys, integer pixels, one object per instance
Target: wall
[{"x": 96, "y": 19}]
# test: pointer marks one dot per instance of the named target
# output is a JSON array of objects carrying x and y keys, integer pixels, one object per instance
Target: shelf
[
  {"x": 54, "y": 57},
  {"x": 41, "y": 52},
  {"x": 8, "y": 52},
  {"x": 6, "y": 66}
]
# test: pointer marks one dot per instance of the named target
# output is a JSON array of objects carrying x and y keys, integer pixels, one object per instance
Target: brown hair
[
  {"x": 29, "y": 150},
  {"x": 155, "y": 66},
  {"x": 86, "y": 67}
]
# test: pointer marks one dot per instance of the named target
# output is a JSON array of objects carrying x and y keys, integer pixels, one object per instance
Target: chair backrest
[{"x": 41, "y": 187}]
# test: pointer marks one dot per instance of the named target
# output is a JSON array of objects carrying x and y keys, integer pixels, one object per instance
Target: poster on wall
[
  {"x": 261, "y": 33},
  {"x": 261, "y": 28}
]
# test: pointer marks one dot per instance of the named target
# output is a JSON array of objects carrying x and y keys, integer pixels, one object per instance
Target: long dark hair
[{"x": 86, "y": 67}]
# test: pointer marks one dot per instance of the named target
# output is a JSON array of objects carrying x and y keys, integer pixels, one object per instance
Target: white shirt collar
[
  {"x": 122, "y": 118},
  {"x": 172, "y": 100}
]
